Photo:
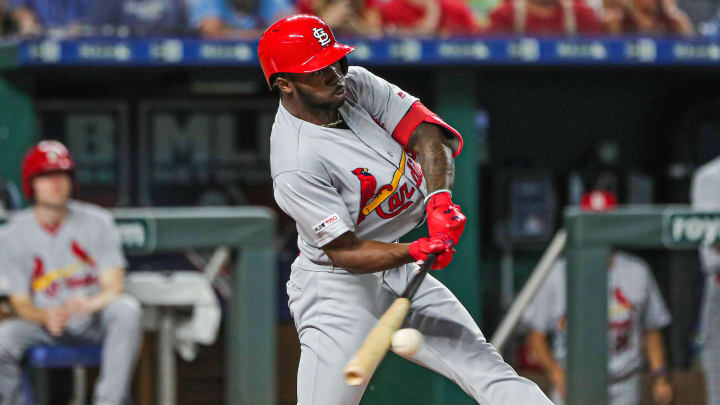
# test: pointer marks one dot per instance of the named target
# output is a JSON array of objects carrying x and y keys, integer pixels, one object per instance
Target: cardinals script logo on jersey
[
  {"x": 399, "y": 197},
  {"x": 621, "y": 312},
  {"x": 48, "y": 281}
]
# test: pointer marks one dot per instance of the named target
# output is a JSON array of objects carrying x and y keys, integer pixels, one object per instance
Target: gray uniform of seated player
[
  {"x": 321, "y": 177},
  {"x": 705, "y": 195},
  {"x": 634, "y": 306},
  {"x": 52, "y": 267}
]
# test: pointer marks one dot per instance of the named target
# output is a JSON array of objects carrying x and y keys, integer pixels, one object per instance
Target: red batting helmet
[
  {"x": 598, "y": 200},
  {"x": 299, "y": 44},
  {"x": 45, "y": 157}
]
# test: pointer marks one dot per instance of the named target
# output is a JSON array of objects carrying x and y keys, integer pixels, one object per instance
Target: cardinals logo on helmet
[{"x": 321, "y": 36}]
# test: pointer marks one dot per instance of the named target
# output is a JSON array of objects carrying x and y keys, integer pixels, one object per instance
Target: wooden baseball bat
[{"x": 363, "y": 364}]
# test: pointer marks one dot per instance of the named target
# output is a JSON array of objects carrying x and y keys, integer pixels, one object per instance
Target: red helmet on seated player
[
  {"x": 598, "y": 200},
  {"x": 299, "y": 44},
  {"x": 45, "y": 157}
]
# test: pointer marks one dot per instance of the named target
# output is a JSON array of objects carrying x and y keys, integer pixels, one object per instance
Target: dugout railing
[
  {"x": 590, "y": 239},
  {"x": 250, "y": 327}
]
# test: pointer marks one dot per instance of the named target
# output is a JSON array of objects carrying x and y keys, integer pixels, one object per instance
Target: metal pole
[
  {"x": 79, "y": 386},
  {"x": 587, "y": 320},
  {"x": 251, "y": 330},
  {"x": 507, "y": 278},
  {"x": 536, "y": 280},
  {"x": 166, "y": 357}
]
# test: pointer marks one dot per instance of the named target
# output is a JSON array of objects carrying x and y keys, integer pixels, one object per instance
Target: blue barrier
[
  {"x": 64, "y": 356},
  {"x": 390, "y": 52}
]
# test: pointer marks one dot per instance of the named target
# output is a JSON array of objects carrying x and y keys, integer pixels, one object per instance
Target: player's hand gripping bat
[{"x": 362, "y": 366}]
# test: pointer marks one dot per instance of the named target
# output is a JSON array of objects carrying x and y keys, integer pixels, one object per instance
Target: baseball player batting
[
  {"x": 65, "y": 266},
  {"x": 358, "y": 163},
  {"x": 705, "y": 195}
]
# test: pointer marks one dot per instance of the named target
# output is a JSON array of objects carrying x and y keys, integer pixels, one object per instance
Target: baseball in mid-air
[{"x": 406, "y": 342}]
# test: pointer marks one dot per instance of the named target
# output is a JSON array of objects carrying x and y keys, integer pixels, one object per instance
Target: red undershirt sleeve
[{"x": 416, "y": 115}]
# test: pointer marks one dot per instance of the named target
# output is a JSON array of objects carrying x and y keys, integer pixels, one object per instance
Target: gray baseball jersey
[
  {"x": 634, "y": 305},
  {"x": 53, "y": 265},
  {"x": 705, "y": 195},
  {"x": 332, "y": 181},
  {"x": 361, "y": 179}
]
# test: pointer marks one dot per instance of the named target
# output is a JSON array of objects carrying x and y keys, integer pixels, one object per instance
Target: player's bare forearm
[
  {"x": 655, "y": 349},
  {"x": 539, "y": 347},
  {"x": 434, "y": 149},
  {"x": 26, "y": 310},
  {"x": 366, "y": 256},
  {"x": 112, "y": 284}
]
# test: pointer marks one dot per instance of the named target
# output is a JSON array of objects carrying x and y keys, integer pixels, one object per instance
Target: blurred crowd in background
[{"x": 366, "y": 18}]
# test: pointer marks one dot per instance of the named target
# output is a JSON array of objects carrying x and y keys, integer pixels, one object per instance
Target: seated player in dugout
[
  {"x": 65, "y": 269},
  {"x": 358, "y": 163},
  {"x": 636, "y": 315}
]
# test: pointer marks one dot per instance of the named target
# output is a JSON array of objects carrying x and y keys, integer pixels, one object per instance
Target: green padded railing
[{"x": 250, "y": 344}]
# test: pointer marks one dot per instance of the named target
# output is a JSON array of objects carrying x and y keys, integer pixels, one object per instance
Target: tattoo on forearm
[{"x": 435, "y": 156}]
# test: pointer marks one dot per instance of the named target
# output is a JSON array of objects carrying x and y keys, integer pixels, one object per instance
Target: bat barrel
[{"x": 362, "y": 366}]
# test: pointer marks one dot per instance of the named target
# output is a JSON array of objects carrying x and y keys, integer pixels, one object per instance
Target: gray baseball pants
[
  {"x": 710, "y": 321},
  {"x": 625, "y": 392},
  {"x": 334, "y": 311},
  {"x": 118, "y": 327}
]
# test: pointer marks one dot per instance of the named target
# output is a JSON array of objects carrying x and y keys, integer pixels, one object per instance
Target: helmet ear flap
[{"x": 344, "y": 65}]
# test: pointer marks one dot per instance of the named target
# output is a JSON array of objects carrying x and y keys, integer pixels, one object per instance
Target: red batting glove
[
  {"x": 440, "y": 246},
  {"x": 444, "y": 218}
]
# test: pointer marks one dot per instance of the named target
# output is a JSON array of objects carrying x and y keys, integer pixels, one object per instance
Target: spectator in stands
[
  {"x": 481, "y": 10},
  {"x": 140, "y": 17},
  {"x": 241, "y": 19},
  {"x": 3, "y": 19},
  {"x": 428, "y": 17},
  {"x": 34, "y": 17},
  {"x": 349, "y": 17},
  {"x": 654, "y": 17},
  {"x": 544, "y": 17}
]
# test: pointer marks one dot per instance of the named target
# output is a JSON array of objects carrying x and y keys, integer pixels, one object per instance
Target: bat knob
[{"x": 355, "y": 376}]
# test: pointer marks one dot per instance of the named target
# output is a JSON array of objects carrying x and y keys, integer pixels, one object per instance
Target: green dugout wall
[
  {"x": 250, "y": 344},
  {"x": 591, "y": 238},
  {"x": 17, "y": 128},
  {"x": 397, "y": 380}
]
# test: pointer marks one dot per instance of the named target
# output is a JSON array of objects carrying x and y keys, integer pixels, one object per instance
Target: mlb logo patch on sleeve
[{"x": 325, "y": 224}]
